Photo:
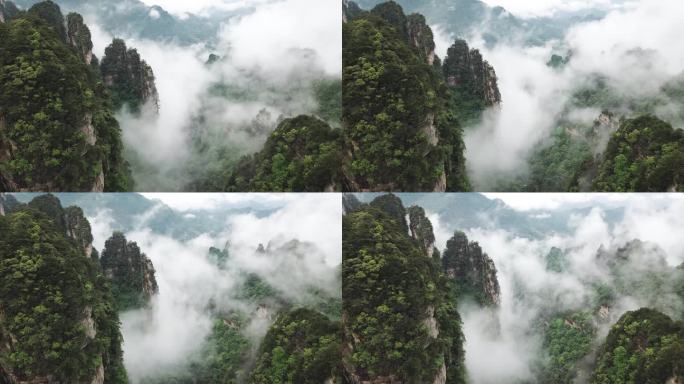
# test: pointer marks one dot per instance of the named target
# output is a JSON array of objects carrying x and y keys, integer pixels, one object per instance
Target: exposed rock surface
[
  {"x": 472, "y": 270},
  {"x": 421, "y": 230},
  {"x": 465, "y": 69},
  {"x": 130, "y": 271},
  {"x": 130, "y": 78},
  {"x": 78, "y": 35}
]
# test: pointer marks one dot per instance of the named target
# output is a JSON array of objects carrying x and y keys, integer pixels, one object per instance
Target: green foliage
[
  {"x": 130, "y": 272},
  {"x": 128, "y": 78},
  {"x": 391, "y": 292},
  {"x": 471, "y": 271},
  {"x": 302, "y": 346},
  {"x": 644, "y": 347},
  {"x": 645, "y": 155},
  {"x": 567, "y": 339},
  {"x": 49, "y": 99},
  {"x": 554, "y": 168},
  {"x": 50, "y": 293},
  {"x": 302, "y": 155},
  {"x": 329, "y": 95},
  {"x": 222, "y": 358},
  {"x": 394, "y": 101}
]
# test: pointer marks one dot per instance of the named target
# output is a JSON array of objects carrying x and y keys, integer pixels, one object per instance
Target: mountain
[
  {"x": 7, "y": 10},
  {"x": 129, "y": 79},
  {"x": 644, "y": 346},
  {"x": 135, "y": 19},
  {"x": 302, "y": 346},
  {"x": 58, "y": 128},
  {"x": 646, "y": 154},
  {"x": 399, "y": 314},
  {"x": 471, "y": 270},
  {"x": 472, "y": 81},
  {"x": 467, "y": 18},
  {"x": 303, "y": 154},
  {"x": 400, "y": 116},
  {"x": 59, "y": 322},
  {"x": 130, "y": 271}
]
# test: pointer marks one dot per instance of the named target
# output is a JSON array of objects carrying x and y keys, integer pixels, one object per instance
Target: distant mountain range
[{"x": 463, "y": 18}]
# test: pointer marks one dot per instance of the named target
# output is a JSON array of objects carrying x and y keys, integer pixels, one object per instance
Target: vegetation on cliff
[
  {"x": 59, "y": 319},
  {"x": 58, "y": 131}
]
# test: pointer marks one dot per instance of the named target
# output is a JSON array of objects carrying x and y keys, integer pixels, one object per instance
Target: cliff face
[
  {"x": 404, "y": 136},
  {"x": 56, "y": 130},
  {"x": 130, "y": 271},
  {"x": 62, "y": 328},
  {"x": 129, "y": 78},
  {"x": 466, "y": 71},
  {"x": 7, "y": 10},
  {"x": 421, "y": 230},
  {"x": 388, "y": 317},
  {"x": 420, "y": 36},
  {"x": 78, "y": 35},
  {"x": 472, "y": 270}
]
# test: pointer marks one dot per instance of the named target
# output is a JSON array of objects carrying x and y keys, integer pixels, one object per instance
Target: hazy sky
[{"x": 531, "y": 8}]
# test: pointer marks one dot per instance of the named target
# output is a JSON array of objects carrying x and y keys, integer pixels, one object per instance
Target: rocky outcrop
[
  {"x": 465, "y": 69},
  {"x": 7, "y": 10},
  {"x": 78, "y": 228},
  {"x": 391, "y": 204},
  {"x": 130, "y": 79},
  {"x": 130, "y": 271},
  {"x": 472, "y": 270},
  {"x": 421, "y": 37},
  {"x": 78, "y": 35},
  {"x": 350, "y": 203},
  {"x": 7, "y": 204},
  {"x": 350, "y": 10},
  {"x": 421, "y": 230},
  {"x": 70, "y": 220}
]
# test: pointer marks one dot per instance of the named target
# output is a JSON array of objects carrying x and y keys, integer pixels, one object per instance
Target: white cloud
[
  {"x": 202, "y": 7},
  {"x": 632, "y": 47},
  {"x": 206, "y": 201},
  {"x": 274, "y": 37}
]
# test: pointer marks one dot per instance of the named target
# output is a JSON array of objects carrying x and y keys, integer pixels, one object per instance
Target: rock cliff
[
  {"x": 130, "y": 271},
  {"x": 472, "y": 270},
  {"x": 465, "y": 70},
  {"x": 129, "y": 78}
]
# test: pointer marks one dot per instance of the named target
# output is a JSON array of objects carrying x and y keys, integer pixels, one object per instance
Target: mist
[
  {"x": 530, "y": 291},
  {"x": 271, "y": 56},
  {"x": 163, "y": 338},
  {"x": 635, "y": 62}
]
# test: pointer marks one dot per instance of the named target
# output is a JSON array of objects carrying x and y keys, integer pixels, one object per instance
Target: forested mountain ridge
[
  {"x": 398, "y": 328},
  {"x": 57, "y": 125},
  {"x": 59, "y": 322},
  {"x": 403, "y": 107},
  {"x": 130, "y": 271},
  {"x": 129, "y": 79}
]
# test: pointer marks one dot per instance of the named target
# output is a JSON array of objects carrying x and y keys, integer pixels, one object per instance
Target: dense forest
[
  {"x": 403, "y": 108},
  {"x": 102, "y": 124},
  {"x": 59, "y": 321},
  {"x": 407, "y": 114},
  {"x": 67, "y": 307},
  {"x": 409, "y": 329},
  {"x": 57, "y": 131}
]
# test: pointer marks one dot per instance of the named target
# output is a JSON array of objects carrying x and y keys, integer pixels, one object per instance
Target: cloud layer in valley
[
  {"x": 270, "y": 57},
  {"x": 521, "y": 267},
  {"x": 164, "y": 337},
  {"x": 632, "y": 48}
]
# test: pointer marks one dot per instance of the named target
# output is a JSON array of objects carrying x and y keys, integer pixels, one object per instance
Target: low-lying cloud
[
  {"x": 631, "y": 48},
  {"x": 530, "y": 290},
  {"x": 161, "y": 339}
]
